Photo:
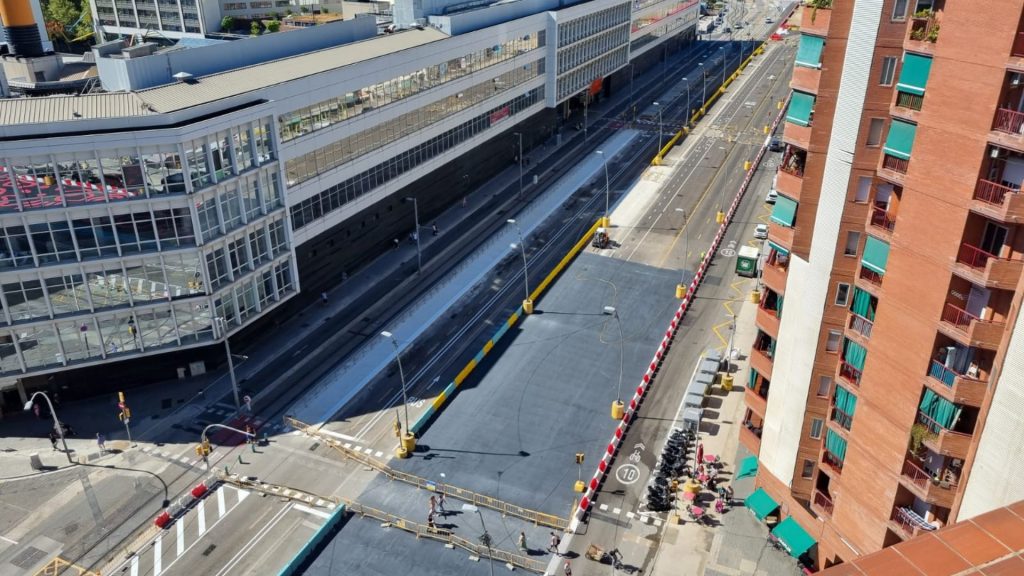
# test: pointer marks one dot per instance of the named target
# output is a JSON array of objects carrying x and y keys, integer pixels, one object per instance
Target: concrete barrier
[{"x": 297, "y": 563}]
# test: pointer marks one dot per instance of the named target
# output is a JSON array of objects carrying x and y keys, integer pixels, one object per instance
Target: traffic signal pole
[{"x": 125, "y": 415}]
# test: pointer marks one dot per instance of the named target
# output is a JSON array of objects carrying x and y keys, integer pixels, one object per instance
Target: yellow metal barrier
[
  {"x": 506, "y": 508},
  {"x": 61, "y": 566}
]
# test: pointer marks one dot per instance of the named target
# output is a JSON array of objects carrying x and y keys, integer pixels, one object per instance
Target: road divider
[
  {"x": 587, "y": 501},
  {"x": 299, "y": 561},
  {"x": 449, "y": 391}
]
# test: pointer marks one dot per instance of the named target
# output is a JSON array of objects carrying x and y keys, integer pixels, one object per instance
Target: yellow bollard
[
  {"x": 408, "y": 445},
  {"x": 765, "y": 128},
  {"x": 680, "y": 291},
  {"x": 618, "y": 410},
  {"x": 606, "y": 222},
  {"x": 779, "y": 104},
  {"x": 755, "y": 296},
  {"x": 528, "y": 306},
  {"x": 719, "y": 217},
  {"x": 580, "y": 486},
  {"x": 746, "y": 166},
  {"x": 727, "y": 382}
]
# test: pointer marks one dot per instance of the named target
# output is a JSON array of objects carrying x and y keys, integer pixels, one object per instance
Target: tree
[
  {"x": 227, "y": 23},
  {"x": 85, "y": 26},
  {"x": 323, "y": 10},
  {"x": 254, "y": 28},
  {"x": 305, "y": 9},
  {"x": 272, "y": 26},
  {"x": 62, "y": 12}
]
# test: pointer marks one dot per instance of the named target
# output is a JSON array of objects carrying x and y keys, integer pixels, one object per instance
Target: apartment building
[{"x": 886, "y": 395}]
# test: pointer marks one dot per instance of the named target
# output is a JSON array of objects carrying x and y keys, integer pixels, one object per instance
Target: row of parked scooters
[{"x": 671, "y": 465}]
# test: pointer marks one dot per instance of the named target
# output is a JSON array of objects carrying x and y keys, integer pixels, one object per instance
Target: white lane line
[
  {"x": 183, "y": 459},
  {"x": 180, "y": 548},
  {"x": 337, "y": 435},
  {"x": 220, "y": 502},
  {"x": 617, "y": 511},
  {"x": 8, "y": 540},
  {"x": 135, "y": 566},
  {"x": 308, "y": 510},
  {"x": 368, "y": 450},
  {"x": 242, "y": 494},
  {"x": 379, "y": 454},
  {"x": 201, "y": 517},
  {"x": 320, "y": 502},
  {"x": 603, "y": 507},
  {"x": 348, "y": 445},
  {"x": 630, "y": 515},
  {"x": 252, "y": 543},
  {"x": 657, "y": 522},
  {"x": 157, "y": 551}
]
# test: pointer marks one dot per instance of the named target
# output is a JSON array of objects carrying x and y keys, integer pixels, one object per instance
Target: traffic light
[
  {"x": 125, "y": 414},
  {"x": 398, "y": 427},
  {"x": 120, "y": 397},
  {"x": 203, "y": 449},
  {"x": 579, "y": 457}
]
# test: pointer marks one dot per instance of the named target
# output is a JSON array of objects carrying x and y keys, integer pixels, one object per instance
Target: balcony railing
[
  {"x": 957, "y": 316},
  {"x": 940, "y": 372},
  {"x": 895, "y": 164},
  {"x": 992, "y": 192},
  {"x": 842, "y": 418},
  {"x": 908, "y": 528},
  {"x": 926, "y": 420},
  {"x": 974, "y": 257},
  {"x": 1018, "y": 45},
  {"x": 824, "y": 503},
  {"x": 880, "y": 219},
  {"x": 861, "y": 325},
  {"x": 832, "y": 461},
  {"x": 908, "y": 100},
  {"x": 1009, "y": 121},
  {"x": 871, "y": 276},
  {"x": 849, "y": 373}
]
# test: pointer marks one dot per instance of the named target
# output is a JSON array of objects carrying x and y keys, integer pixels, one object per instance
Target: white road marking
[
  {"x": 221, "y": 505},
  {"x": 617, "y": 511},
  {"x": 8, "y": 540},
  {"x": 337, "y": 435},
  {"x": 181, "y": 538},
  {"x": 368, "y": 450},
  {"x": 603, "y": 507},
  {"x": 135, "y": 566},
  {"x": 312, "y": 511},
  {"x": 348, "y": 445},
  {"x": 201, "y": 517},
  {"x": 320, "y": 502},
  {"x": 242, "y": 494},
  {"x": 157, "y": 552},
  {"x": 379, "y": 454},
  {"x": 630, "y": 515},
  {"x": 227, "y": 569},
  {"x": 183, "y": 459},
  {"x": 657, "y": 522}
]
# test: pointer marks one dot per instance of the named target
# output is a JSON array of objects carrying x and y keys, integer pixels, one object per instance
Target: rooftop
[
  {"x": 991, "y": 544},
  {"x": 210, "y": 88}
]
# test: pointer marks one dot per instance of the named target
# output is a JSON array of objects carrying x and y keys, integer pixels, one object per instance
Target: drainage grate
[
  {"x": 28, "y": 558},
  {"x": 314, "y": 446},
  {"x": 209, "y": 549}
]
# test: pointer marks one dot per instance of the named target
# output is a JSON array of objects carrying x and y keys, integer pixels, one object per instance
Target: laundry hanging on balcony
[
  {"x": 942, "y": 411},
  {"x": 862, "y": 304}
]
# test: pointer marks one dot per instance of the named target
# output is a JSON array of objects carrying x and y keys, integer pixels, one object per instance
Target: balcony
[
  {"x": 881, "y": 223},
  {"x": 926, "y": 487},
  {"x": 767, "y": 320},
  {"x": 869, "y": 280},
  {"x": 1008, "y": 129},
  {"x": 754, "y": 401},
  {"x": 983, "y": 268},
  {"x": 789, "y": 182},
  {"x": 799, "y": 136},
  {"x": 815, "y": 20},
  {"x": 860, "y": 325},
  {"x": 781, "y": 235},
  {"x": 956, "y": 387},
  {"x": 998, "y": 201},
  {"x": 774, "y": 277},
  {"x": 821, "y": 504},
  {"x": 848, "y": 373},
  {"x": 750, "y": 435},
  {"x": 943, "y": 441},
  {"x": 841, "y": 418},
  {"x": 832, "y": 464},
  {"x": 969, "y": 329},
  {"x": 805, "y": 79},
  {"x": 1016, "y": 59},
  {"x": 762, "y": 362},
  {"x": 924, "y": 33},
  {"x": 908, "y": 104},
  {"x": 901, "y": 522},
  {"x": 893, "y": 169}
]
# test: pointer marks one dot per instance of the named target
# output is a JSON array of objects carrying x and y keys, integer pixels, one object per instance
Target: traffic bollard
[{"x": 253, "y": 446}]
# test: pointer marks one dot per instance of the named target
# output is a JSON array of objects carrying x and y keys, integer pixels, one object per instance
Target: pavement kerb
[
  {"x": 602, "y": 470},
  {"x": 441, "y": 399}
]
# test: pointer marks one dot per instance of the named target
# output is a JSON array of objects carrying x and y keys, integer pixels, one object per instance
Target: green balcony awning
[
  {"x": 876, "y": 255},
  {"x": 761, "y": 504},
  {"x": 778, "y": 248},
  {"x": 846, "y": 401},
  {"x": 855, "y": 355},
  {"x": 793, "y": 537},
  {"x": 809, "y": 52},
  {"x": 862, "y": 304},
  {"x": 748, "y": 467},
  {"x": 942, "y": 411},
  {"x": 900, "y": 141},
  {"x": 784, "y": 212},
  {"x": 914, "y": 74},
  {"x": 800, "y": 107},
  {"x": 835, "y": 444}
]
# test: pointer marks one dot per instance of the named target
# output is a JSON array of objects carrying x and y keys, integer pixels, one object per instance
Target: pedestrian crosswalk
[{"x": 187, "y": 530}]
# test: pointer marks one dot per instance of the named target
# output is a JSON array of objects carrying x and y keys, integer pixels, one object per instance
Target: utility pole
[{"x": 520, "y": 135}]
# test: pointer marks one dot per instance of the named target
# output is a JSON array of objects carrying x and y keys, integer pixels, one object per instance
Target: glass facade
[
  {"x": 336, "y": 196},
  {"x": 591, "y": 47},
  {"x": 335, "y": 110}
]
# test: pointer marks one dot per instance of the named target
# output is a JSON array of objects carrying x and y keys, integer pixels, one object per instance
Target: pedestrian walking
[
  {"x": 522, "y": 541},
  {"x": 35, "y": 409},
  {"x": 396, "y": 243},
  {"x": 567, "y": 568},
  {"x": 250, "y": 434},
  {"x": 700, "y": 453},
  {"x": 440, "y": 502},
  {"x": 323, "y": 298},
  {"x": 553, "y": 546},
  {"x": 430, "y": 521},
  {"x": 433, "y": 504},
  {"x": 433, "y": 228},
  {"x": 101, "y": 442},
  {"x": 465, "y": 201},
  {"x": 53, "y": 439}
]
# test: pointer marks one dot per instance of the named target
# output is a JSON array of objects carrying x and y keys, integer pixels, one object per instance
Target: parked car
[
  {"x": 761, "y": 231},
  {"x": 771, "y": 197},
  {"x": 775, "y": 145}
]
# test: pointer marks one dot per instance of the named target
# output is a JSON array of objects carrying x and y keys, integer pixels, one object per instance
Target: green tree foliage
[
  {"x": 227, "y": 23},
  {"x": 254, "y": 29},
  {"x": 59, "y": 15},
  {"x": 85, "y": 26},
  {"x": 272, "y": 25}
]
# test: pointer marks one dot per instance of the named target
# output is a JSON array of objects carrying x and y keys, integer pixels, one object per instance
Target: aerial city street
[{"x": 564, "y": 287}]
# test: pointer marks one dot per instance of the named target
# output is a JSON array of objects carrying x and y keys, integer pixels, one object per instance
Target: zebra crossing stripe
[
  {"x": 220, "y": 502},
  {"x": 181, "y": 538},
  {"x": 135, "y": 565},
  {"x": 201, "y": 516},
  {"x": 158, "y": 565}
]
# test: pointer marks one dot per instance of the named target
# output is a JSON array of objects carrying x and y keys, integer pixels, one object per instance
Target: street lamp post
[
  {"x": 231, "y": 368},
  {"x": 632, "y": 103},
  {"x": 607, "y": 192},
  {"x": 56, "y": 422},
  {"x": 416, "y": 233},
  {"x": 527, "y": 302},
  {"x": 618, "y": 408},
  {"x": 520, "y": 136},
  {"x": 586, "y": 104},
  {"x": 408, "y": 443},
  {"x": 658, "y": 106},
  {"x": 681, "y": 287},
  {"x": 485, "y": 538},
  {"x": 689, "y": 110}
]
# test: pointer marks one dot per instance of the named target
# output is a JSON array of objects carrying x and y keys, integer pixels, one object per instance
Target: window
[
  {"x": 824, "y": 386},
  {"x": 899, "y": 10},
  {"x": 808, "y": 470},
  {"x": 888, "y": 71},
  {"x": 842, "y": 294},
  {"x": 832, "y": 344},
  {"x": 852, "y": 241},
  {"x": 875, "y": 132},
  {"x": 863, "y": 190},
  {"x": 816, "y": 425}
]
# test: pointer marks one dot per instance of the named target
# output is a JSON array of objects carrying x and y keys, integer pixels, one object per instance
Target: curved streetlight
[
  {"x": 408, "y": 441},
  {"x": 607, "y": 221},
  {"x": 658, "y": 106},
  {"x": 681, "y": 287},
  {"x": 56, "y": 422},
  {"x": 485, "y": 538},
  {"x": 618, "y": 408},
  {"x": 527, "y": 302}
]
